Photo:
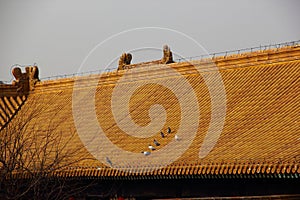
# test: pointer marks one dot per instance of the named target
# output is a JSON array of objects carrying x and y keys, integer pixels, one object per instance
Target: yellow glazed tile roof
[
  {"x": 261, "y": 132},
  {"x": 9, "y": 106}
]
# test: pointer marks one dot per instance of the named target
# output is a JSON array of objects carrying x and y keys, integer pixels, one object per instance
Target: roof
[{"x": 234, "y": 115}]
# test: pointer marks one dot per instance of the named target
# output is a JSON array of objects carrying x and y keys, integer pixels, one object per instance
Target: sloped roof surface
[{"x": 260, "y": 134}]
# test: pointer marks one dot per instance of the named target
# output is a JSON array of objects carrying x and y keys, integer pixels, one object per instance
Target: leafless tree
[{"x": 32, "y": 154}]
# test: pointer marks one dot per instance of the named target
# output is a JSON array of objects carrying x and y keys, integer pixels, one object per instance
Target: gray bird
[
  {"x": 108, "y": 161},
  {"x": 162, "y": 134},
  {"x": 155, "y": 142},
  {"x": 169, "y": 130}
]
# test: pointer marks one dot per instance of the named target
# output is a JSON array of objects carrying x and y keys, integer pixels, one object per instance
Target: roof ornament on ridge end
[
  {"x": 25, "y": 81},
  {"x": 167, "y": 55},
  {"x": 125, "y": 59}
]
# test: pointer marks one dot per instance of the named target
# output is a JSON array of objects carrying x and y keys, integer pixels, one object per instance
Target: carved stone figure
[
  {"x": 33, "y": 73},
  {"x": 20, "y": 79},
  {"x": 167, "y": 55},
  {"x": 25, "y": 81},
  {"x": 17, "y": 74},
  {"x": 125, "y": 59}
]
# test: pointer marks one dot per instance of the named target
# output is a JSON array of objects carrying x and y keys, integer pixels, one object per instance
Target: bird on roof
[
  {"x": 176, "y": 137},
  {"x": 169, "y": 130},
  {"x": 155, "y": 142},
  {"x": 151, "y": 147},
  {"x": 162, "y": 134},
  {"x": 108, "y": 161},
  {"x": 146, "y": 153}
]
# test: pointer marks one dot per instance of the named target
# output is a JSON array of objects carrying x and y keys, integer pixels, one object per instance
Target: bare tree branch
[{"x": 32, "y": 153}]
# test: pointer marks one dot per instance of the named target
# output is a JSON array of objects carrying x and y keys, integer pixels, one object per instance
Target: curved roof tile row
[{"x": 209, "y": 169}]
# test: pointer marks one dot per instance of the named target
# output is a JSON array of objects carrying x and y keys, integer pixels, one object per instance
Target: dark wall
[{"x": 167, "y": 188}]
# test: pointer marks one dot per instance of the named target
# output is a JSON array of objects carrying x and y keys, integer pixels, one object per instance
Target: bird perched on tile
[
  {"x": 155, "y": 142},
  {"x": 146, "y": 153},
  {"x": 162, "y": 134},
  {"x": 169, "y": 130},
  {"x": 176, "y": 137},
  {"x": 108, "y": 161},
  {"x": 151, "y": 147}
]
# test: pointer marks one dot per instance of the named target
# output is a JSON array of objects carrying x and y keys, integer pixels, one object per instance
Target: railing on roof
[
  {"x": 79, "y": 74},
  {"x": 224, "y": 53},
  {"x": 239, "y": 51}
]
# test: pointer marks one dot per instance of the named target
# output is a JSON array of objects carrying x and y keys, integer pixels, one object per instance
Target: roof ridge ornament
[
  {"x": 25, "y": 81},
  {"x": 125, "y": 59},
  {"x": 167, "y": 55}
]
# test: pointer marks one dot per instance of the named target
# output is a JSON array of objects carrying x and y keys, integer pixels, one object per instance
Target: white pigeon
[
  {"x": 151, "y": 147},
  {"x": 146, "y": 153},
  {"x": 177, "y": 138}
]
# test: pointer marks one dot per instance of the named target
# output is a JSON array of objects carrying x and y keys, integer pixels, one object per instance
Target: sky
[{"x": 67, "y": 36}]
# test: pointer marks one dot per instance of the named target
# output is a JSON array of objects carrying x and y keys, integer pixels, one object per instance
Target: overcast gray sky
[{"x": 59, "y": 34}]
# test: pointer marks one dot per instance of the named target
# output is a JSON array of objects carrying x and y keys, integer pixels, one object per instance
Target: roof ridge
[{"x": 222, "y": 54}]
